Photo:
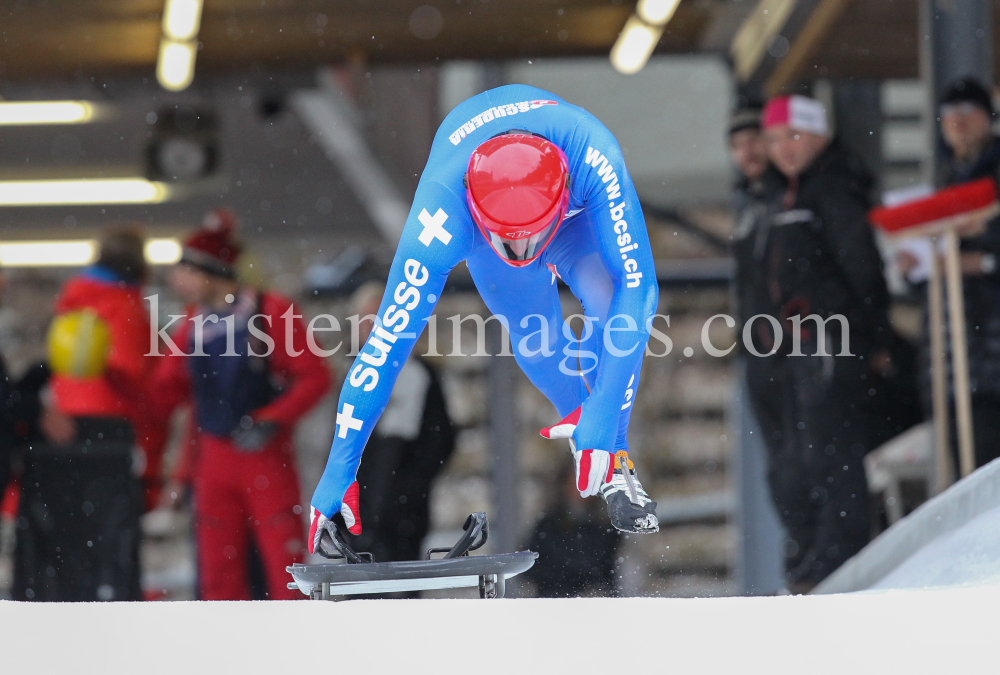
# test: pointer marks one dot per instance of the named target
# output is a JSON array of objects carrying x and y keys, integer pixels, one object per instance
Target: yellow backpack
[{"x": 78, "y": 344}]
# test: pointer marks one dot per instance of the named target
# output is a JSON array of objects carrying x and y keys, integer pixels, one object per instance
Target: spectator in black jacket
[
  {"x": 973, "y": 152},
  {"x": 756, "y": 200},
  {"x": 20, "y": 409},
  {"x": 408, "y": 449},
  {"x": 820, "y": 258}
]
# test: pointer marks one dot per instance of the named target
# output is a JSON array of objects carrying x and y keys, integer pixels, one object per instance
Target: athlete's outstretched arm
[
  {"x": 602, "y": 183},
  {"x": 434, "y": 240}
]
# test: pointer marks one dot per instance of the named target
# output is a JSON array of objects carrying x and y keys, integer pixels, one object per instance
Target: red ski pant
[{"x": 241, "y": 495}]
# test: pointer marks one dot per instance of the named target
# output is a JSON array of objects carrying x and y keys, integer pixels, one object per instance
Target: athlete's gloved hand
[
  {"x": 349, "y": 511},
  {"x": 594, "y": 468},
  {"x": 564, "y": 428}
]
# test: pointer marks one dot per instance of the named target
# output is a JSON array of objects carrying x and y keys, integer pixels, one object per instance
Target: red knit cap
[
  {"x": 214, "y": 248},
  {"x": 798, "y": 112}
]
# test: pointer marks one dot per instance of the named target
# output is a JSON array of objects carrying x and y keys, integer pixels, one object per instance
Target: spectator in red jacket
[
  {"x": 240, "y": 356},
  {"x": 78, "y": 525}
]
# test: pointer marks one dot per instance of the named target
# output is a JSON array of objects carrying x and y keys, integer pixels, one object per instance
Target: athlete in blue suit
[{"x": 523, "y": 186}]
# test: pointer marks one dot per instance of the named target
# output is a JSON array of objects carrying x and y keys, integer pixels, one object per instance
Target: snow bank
[
  {"x": 968, "y": 556},
  {"x": 918, "y": 631},
  {"x": 933, "y": 525}
]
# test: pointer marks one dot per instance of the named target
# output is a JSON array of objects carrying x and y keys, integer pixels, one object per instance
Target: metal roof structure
[{"x": 783, "y": 39}]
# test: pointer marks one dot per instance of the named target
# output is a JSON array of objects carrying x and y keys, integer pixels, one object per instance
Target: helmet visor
[{"x": 523, "y": 251}]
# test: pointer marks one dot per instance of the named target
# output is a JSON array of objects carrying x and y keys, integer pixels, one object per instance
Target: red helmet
[{"x": 517, "y": 187}]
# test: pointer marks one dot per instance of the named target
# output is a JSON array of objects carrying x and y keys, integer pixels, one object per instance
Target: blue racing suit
[{"x": 601, "y": 251}]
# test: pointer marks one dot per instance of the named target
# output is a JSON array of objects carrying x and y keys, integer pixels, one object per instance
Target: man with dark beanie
[
  {"x": 250, "y": 376},
  {"x": 756, "y": 200},
  {"x": 972, "y": 151},
  {"x": 78, "y": 525}
]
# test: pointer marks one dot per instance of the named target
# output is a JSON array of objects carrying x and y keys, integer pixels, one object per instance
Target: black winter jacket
[
  {"x": 821, "y": 256},
  {"x": 755, "y": 204}
]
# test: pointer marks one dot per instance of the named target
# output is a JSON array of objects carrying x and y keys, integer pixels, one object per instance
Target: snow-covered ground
[
  {"x": 906, "y": 632},
  {"x": 934, "y": 611}
]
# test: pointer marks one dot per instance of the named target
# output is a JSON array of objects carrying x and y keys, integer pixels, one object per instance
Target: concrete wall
[{"x": 670, "y": 118}]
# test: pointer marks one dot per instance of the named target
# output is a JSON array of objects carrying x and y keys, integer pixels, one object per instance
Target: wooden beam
[
  {"x": 751, "y": 42},
  {"x": 806, "y": 44}
]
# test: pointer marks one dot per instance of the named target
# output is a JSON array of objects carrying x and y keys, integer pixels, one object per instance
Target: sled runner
[{"x": 359, "y": 575}]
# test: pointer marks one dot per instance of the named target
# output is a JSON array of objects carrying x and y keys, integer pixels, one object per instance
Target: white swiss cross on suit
[
  {"x": 346, "y": 421},
  {"x": 433, "y": 227}
]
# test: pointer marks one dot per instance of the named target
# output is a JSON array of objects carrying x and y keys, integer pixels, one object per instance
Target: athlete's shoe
[{"x": 629, "y": 507}]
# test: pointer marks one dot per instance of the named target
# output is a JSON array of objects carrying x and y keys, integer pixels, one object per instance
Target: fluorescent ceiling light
[
  {"x": 78, "y": 252},
  {"x": 47, "y": 253},
  {"x": 82, "y": 191},
  {"x": 634, "y": 46},
  {"x": 46, "y": 112},
  {"x": 181, "y": 19},
  {"x": 657, "y": 12},
  {"x": 175, "y": 66},
  {"x": 163, "y": 251}
]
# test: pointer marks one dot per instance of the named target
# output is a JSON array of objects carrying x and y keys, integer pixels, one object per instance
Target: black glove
[{"x": 252, "y": 435}]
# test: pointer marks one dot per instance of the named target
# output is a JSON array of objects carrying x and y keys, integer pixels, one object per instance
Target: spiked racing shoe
[{"x": 629, "y": 507}]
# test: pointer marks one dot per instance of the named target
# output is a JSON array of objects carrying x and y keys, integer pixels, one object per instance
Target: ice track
[{"x": 914, "y": 631}]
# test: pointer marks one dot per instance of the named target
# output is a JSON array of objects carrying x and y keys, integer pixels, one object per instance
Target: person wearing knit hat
[
  {"x": 796, "y": 130},
  {"x": 756, "y": 198},
  {"x": 745, "y": 118},
  {"x": 819, "y": 264},
  {"x": 251, "y": 373},
  {"x": 968, "y": 90},
  {"x": 746, "y": 144},
  {"x": 757, "y": 190},
  {"x": 213, "y": 248},
  {"x": 966, "y": 115},
  {"x": 972, "y": 152}
]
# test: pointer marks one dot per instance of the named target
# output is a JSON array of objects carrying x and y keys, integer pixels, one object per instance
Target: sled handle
[
  {"x": 340, "y": 549},
  {"x": 476, "y": 532}
]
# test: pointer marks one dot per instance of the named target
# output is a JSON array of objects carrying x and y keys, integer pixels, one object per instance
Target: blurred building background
[{"x": 312, "y": 119}]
